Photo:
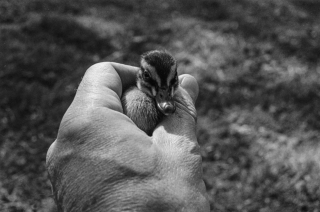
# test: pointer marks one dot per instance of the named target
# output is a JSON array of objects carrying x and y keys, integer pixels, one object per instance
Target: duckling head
[{"x": 158, "y": 78}]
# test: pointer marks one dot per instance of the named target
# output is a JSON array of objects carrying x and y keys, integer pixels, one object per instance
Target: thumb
[
  {"x": 181, "y": 124},
  {"x": 189, "y": 83}
]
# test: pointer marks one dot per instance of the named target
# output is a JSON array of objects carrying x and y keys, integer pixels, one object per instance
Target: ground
[{"x": 256, "y": 62}]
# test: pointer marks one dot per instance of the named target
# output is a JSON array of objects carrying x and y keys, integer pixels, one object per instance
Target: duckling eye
[{"x": 146, "y": 75}]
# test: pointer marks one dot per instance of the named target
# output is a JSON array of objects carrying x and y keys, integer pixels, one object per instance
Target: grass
[{"x": 255, "y": 61}]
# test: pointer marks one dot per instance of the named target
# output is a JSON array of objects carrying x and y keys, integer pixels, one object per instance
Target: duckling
[{"x": 152, "y": 97}]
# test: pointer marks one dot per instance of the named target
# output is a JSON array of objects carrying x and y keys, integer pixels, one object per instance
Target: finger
[
  {"x": 103, "y": 84},
  {"x": 114, "y": 76},
  {"x": 100, "y": 89},
  {"x": 189, "y": 83},
  {"x": 127, "y": 74}
]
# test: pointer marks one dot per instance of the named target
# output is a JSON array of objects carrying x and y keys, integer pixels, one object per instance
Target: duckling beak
[{"x": 165, "y": 101}]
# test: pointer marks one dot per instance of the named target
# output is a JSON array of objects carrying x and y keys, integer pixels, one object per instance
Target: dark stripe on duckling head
[{"x": 163, "y": 62}]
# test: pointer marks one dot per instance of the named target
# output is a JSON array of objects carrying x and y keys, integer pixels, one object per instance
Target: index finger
[
  {"x": 103, "y": 83},
  {"x": 189, "y": 83},
  {"x": 98, "y": 97}
]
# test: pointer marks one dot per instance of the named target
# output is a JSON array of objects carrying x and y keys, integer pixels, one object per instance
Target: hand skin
[{"x": 101, "y": 161}]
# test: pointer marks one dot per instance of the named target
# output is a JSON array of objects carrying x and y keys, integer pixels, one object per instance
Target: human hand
[{"x": 101, "y": 161}]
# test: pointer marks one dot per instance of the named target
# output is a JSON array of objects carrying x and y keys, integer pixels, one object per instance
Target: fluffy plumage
[
  {"x": 152, "y": 99},
  {"x": 141, "y": 109}
]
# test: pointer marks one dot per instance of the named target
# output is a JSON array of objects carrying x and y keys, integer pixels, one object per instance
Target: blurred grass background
[{"x": 256, "y": 62}]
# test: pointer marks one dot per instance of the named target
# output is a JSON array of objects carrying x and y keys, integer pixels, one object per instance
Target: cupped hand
[{"x": 101, "y": 161}]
